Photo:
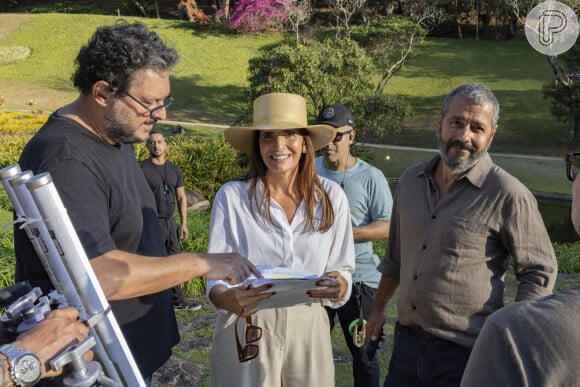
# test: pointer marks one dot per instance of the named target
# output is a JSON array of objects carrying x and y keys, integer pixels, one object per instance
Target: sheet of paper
[{"x": 289, "y": 284}]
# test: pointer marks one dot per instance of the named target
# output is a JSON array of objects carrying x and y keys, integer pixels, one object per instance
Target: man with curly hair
[{"x": 123, "y": 78}]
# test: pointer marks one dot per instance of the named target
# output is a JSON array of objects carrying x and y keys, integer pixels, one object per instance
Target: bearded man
[{"x": 457, "y": 219}]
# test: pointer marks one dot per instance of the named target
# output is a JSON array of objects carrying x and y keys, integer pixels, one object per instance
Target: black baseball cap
[{"x": 335, "y": 115}]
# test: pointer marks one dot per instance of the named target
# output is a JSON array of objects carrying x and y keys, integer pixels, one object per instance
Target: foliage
[
  {"x": 256, "y": 15},
  {"x": 381, "y": 114},
  {"x": 564, "y": 90},
  {"x": 389, "y": 42},
  {"x": 260, "y": 15},
  {"x": 7, "y": 260},
  {"x": 323, "y": 72},
  {"x": 15, "y": 131},
  {"x": 198, "y": 225},
  {"x": 383, "y": 38},
  {"x": 206, "y": 163},
  {"x": 568, "y": 255},
  {"x": 63, "y": 6},
  {"x": 17, "y": 123},
  {"x": 344, "y": 10}
]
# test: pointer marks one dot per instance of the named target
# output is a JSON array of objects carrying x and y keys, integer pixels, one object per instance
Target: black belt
[{"x": 415, "y": 330}]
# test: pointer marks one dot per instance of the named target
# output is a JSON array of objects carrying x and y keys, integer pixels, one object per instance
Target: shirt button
[{"x": 415, "y": 277}]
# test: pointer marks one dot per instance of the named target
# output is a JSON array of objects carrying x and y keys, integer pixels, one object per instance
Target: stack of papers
[{"x": 289, "y": 284}]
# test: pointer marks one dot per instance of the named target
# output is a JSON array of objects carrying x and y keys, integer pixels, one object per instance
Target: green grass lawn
[
  {"x": 210, "y": 81},
  {"x": 513, "y": 70}
]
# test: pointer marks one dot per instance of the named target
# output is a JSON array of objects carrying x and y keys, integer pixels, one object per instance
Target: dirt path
[{"x": 9, "y": 21}]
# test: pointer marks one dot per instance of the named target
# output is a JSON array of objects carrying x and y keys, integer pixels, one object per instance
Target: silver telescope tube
[
  {"x": 70, "y": 252},
  {"x": 36, "y": 230},
  {"x": 27, "y": 213}
]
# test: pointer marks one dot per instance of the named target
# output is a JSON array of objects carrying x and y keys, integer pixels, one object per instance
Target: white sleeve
[{"x": 342, "y": 255}]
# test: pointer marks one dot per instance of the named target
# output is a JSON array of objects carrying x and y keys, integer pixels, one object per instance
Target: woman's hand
[
  {"x": 333, "y": 289},
  {"x": 243, "y": 301}
]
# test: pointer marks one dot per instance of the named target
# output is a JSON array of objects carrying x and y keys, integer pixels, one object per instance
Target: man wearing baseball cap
[{"x": 370, "y": 203}]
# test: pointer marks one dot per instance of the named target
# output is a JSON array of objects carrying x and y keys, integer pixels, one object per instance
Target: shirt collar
[{"x": 476, "y": 175}]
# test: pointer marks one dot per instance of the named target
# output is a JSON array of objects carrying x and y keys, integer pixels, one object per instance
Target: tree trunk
[
  {"x": 227, "y": 9},
  {"x": 157, "y": 10},
  {"x": 140, "y": 8},
  {"x": 477, "y": 21}
]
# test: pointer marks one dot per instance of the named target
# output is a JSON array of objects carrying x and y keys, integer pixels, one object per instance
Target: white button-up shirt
[{"x": 234, "y": 228}]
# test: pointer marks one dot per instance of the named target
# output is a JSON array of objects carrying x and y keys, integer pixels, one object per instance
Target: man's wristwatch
[{"x": 25, "y": 367}]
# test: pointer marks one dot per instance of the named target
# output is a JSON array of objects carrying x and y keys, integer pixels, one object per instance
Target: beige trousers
[{"x": 295, "y": 350}]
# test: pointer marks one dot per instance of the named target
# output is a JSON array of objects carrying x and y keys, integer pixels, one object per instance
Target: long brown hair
[{"x": 308, "y": 181}]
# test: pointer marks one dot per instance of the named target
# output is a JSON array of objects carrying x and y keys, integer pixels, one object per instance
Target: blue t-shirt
[{"x": 369, "y": 199}]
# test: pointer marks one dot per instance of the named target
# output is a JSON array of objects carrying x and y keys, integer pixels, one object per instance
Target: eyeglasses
[
  {"x": 572, "y": 160},
  {"x": 339, "y": 135},
  {"x": 253, "y": 334},
  {"x": 165, "y": 105}
]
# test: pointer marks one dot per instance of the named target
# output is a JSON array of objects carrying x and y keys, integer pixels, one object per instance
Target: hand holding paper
[
  {"x": 292, "y": 286},
  {"x": 332, "y": 286}
]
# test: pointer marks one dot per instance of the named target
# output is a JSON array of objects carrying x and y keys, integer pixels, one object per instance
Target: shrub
[
  {"x": 198, "y": 225},
  {"x": 329, "y": 71},
  {"x": 322, "y": 72},
  {"x": 17, "y": 123},
  {"x": 7, "y": 260},
  {"x": 15, "y": 131},
  {"x": 206, "y": 163}
]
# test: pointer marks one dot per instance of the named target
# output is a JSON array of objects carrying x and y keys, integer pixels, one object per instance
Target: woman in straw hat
[{"x": 283, "y": 216}]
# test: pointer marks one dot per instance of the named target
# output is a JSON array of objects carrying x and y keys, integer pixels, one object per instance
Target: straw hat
[{"x": 279, "y": 111}]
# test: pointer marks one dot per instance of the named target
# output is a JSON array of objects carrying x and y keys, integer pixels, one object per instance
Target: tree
[
  {"x": 297, "y": 13},
  {"x": 565, "y": 89},
  {"x": 389, "y": 42},
  {"x": 344, "y": 10},
  {"x": 325, "y": 72}
]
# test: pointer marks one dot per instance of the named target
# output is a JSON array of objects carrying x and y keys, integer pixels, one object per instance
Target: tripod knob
[{"x": 81, "y": 372}]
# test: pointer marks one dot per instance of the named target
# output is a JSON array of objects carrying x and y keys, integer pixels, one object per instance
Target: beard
[
  {"x": 456, "y": 164},
  {"x": 116, "y": 130}
]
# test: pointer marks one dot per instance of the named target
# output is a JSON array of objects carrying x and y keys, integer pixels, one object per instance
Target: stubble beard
[{"x": 118, "y": 132}]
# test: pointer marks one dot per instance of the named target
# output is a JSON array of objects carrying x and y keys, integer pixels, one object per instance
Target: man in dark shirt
[
  {"x": 123, "y": 78},
  {"x": 457, "y": 219},
  {"x": 166, "y": 182}
]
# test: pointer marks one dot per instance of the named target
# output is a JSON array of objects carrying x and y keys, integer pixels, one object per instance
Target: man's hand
[
  {"x": 59, "y": 330},
  {"x": 229, "y": 267},
  {"x": 375, "y": 325},
  {"x": 183, "y": 232},
  {"x": 243, "y": 301}
]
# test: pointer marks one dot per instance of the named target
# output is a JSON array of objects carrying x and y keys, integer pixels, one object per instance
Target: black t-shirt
[
  {"x": 164, "y": 181},
  {"x": 111, "y": 207}
]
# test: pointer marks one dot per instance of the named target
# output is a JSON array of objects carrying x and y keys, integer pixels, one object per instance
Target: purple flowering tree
[{"x": 257, "y": 15}]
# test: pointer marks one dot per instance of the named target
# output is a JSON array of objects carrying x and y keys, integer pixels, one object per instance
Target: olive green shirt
[{"x": 450, "y": 253}]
